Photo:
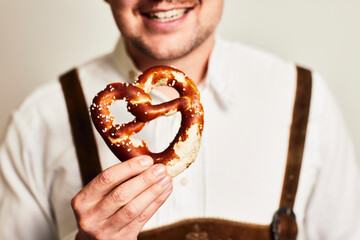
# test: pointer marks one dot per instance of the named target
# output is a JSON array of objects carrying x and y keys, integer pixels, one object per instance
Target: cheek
[
  {"x": 123, "y": 22},
  {"x": 212, "y": 12},
  {"x": 216, "y": 8},
  {"x": 123, "y": 14},
  {"x": 123, "y": 4}
]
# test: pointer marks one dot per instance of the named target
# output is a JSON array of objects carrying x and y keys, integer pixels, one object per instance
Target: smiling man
[
  {"x": 175, "y": 33},
  {"x": 57, "y": 185}
]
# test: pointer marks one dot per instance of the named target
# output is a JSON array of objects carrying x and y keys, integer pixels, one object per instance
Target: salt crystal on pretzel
[{"x": 182, "y": 151}]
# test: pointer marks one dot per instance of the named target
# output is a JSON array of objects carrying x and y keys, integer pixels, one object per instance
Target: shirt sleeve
[
  {"x": 25, "y": 211},
  {"x": 334, "y": 208}
]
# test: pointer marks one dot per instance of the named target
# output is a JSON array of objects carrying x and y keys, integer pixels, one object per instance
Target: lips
[{"x": 166, "y": 15}]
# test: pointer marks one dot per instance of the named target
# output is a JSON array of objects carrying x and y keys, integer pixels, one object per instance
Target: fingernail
[
  {"x": 165, "y": 181},
  {"x": 146, "y": 161},
  {"x": 159, "y": 170}
]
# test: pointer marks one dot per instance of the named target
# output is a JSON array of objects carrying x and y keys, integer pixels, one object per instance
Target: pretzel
[{"x": 182, "y": 151}]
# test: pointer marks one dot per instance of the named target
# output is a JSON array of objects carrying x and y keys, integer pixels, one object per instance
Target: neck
[{"x": 193, "y": 64}]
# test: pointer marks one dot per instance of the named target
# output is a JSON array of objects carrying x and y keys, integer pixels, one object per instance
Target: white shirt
[{"x": 248, "y": 100}]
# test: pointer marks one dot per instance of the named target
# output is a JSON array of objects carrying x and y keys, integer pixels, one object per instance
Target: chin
[{"x": 164, "y": 48}]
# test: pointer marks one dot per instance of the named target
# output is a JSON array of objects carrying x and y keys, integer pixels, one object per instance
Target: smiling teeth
[{"x": 167, "y": 15}]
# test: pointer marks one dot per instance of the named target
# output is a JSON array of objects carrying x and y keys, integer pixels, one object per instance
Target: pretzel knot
[{"x": 182, "y": 151}]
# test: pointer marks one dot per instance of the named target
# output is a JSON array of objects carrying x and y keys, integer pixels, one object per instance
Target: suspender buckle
[{"x": 283, "y": 225}]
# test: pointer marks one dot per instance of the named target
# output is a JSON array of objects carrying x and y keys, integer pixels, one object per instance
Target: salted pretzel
[{"x": 182, "y": 151}]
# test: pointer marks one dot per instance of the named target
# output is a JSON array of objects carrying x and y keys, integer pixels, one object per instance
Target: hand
[{"x": 120, "y": 200}]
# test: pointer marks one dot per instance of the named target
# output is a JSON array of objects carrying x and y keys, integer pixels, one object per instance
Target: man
[{"x": 248, "y": 100}]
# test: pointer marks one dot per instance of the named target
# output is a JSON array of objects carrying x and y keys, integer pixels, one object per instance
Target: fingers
[
  {"x": 84, "y": 203},
  {"x": 102, "y": 184},
  {"x": 138, "y": 223},
  {"x": 151, "y": 198},
  {"x": 132, "y": 230},
  {"x": 126, "y": 192},
  {"x": 122, "y": 197}
]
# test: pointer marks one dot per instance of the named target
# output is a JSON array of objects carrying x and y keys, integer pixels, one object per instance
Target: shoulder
[
  {"x": 258, "y": 65},
  {"x": 40, "y": 108},
  {"x": 46, "y": 105},
  {"x": 243, "y": 64},
  {"x": 249, "y": 55},
  {"x": 267, "y": 76}
]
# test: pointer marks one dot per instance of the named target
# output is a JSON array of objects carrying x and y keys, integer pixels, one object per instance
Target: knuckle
[
  {"x": 75, "y": 203},
  {"x": 132, "y": 165},
  {"x": 147, "y": 178},
  {"x": 156, "y": 190},
  {"x": 142, "y": 217},
  {"x": 119, "y": 196},
  {"x": 163, "y": 196},
  {"x": 159, "y": 201},
  {"x": 84, "y": 224},
  {"x": 130, "y": 211},
  {"x": 105, "y": 177},
  {"x": 161, "y": 186}
]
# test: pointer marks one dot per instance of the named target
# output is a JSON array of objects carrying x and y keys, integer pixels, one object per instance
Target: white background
[{"x": 39, "y": 39}]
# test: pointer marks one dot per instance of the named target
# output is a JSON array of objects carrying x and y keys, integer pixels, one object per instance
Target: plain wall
[{"x": 39, "y": 39}]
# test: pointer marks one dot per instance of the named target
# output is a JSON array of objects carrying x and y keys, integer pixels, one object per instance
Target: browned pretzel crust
[{"x": 183, "y": 149}]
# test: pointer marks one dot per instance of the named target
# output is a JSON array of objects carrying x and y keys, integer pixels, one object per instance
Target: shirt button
[{"x": 184, "y": 181}]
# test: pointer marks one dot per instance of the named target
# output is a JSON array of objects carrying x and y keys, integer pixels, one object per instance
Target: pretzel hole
[
  {"x": 121, "y": 115},
  {"x": 166, "y": 127},
  {"x": 163, "y": 129},
  {"x": 119, "y": 111},
  {"x": 168, "y": 92}
]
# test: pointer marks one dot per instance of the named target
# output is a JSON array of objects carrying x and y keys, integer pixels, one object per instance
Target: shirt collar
[
  {"x": 124, "y": 63},
  {"x": 217, "y": 80}
]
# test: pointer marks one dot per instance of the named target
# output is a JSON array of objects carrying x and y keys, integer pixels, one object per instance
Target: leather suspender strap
[
  {"x": 284, "y": 224},
  {"x": 81, "y": 128},
  {"x": 208, "y": 229},
  {"x": 297, "y": 137}
]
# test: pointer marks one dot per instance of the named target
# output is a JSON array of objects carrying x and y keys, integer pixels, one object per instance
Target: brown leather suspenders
[
  {"x": 297, "y": 137},
  {"x": 81, "y": 127},
  {"x": 283, "y": 225}
]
